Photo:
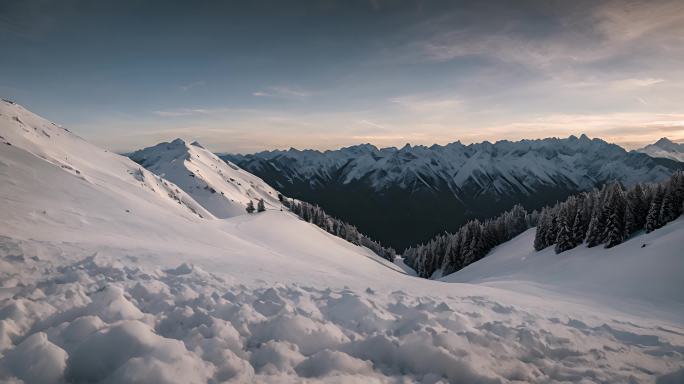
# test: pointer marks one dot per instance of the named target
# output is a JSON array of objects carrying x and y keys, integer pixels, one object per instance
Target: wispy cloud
[
  {"x": 421, "y": 103},
  {"x": 371, "y": 124},
  {"x": 284, "y": 92},
  {"x": 180, "y": 112},
  {"x": 187, "y": 87},
  {"x": 183, "y": 112},
  {"x": 638, "y": 83},
  {"x": 605, "y": 30}
]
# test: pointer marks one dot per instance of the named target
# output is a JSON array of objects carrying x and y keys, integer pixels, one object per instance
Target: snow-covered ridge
[
  {"x": 23, "y": 133},
  {"x": 221, "y": 187},
  {"x": 500, "y": 168},
  {"x": 664, "y": 148}
]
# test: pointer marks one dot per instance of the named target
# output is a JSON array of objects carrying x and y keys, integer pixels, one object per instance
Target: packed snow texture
[
  {"x": 109, "y": 274},
  {"x": 99, "y": 320}
]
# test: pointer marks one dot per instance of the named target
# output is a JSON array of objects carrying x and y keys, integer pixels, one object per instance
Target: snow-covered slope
[
  {"x": 645, "y": 268},
  {"x": 104, "y": 279},
  {"x": 41, "y": 161},
  {"x": 221, "y": 187},
  {"x": 664, "y": 148}
]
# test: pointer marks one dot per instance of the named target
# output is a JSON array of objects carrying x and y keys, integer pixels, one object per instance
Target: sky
[{"x": 246, "y": 76}]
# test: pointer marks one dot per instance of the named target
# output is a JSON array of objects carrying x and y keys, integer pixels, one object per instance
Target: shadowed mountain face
[{"x": 404, "y": 196}]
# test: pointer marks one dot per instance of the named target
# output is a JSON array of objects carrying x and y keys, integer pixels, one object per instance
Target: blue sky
[{"x": 254, "y": 75}]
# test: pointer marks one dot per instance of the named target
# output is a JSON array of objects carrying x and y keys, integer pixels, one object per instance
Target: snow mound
[
  {"x": 221, "y": 187},
  {"x": 143, "y": 326}
]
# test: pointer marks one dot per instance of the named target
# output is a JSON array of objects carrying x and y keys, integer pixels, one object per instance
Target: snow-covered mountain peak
[
  {"x": 664, "y": 142},
  {"x": 664, "y": 148},
  {"x": 221, "y": 187}
]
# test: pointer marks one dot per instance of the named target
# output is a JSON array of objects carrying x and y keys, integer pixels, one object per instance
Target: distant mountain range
[
  {"x": 664, "y": 148},
  {"x": 403, "y": 196}
]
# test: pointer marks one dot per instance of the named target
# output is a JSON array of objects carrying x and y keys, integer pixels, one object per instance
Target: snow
[
  {"x": 664, "y": 148},
  {"x": 106, "y": 279},
  {"x": 646, "y": 268},
  {"x": 502, "y": 168},
  {"x": 222, "y": 188}
]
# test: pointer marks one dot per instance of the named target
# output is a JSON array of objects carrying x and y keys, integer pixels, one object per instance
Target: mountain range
[{"x": 403, "y": 196}]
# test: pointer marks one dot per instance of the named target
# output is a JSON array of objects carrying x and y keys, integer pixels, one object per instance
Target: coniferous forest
[
  {"x": 606, "y": 216},
  {"x": 317, "y": 216},
  {"x": 610, "y": 215},
  {"x": 450, "y": 252}
]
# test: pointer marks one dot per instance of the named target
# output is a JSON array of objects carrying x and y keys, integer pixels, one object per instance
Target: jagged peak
[{"x": 664, "y": 141}]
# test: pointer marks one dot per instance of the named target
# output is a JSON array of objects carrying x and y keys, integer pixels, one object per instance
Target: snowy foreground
[{"x": 109, "y": 274}]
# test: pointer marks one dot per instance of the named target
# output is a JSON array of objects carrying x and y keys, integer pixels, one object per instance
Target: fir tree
[
  {"x": 578, "y": 230},
  {"x": 261, "y": 207},
  {"x": 614, "y": 230},
  {"x": 594, "y": 232},
  {"x": 653, "y": 216},
  {"x": 250, "y": 207},
  {"x": 564, "y": 239}
]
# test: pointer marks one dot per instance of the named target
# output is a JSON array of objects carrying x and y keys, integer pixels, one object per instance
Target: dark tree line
[
  {"x": 610, "y": 215},
  {"x": 317, "y": 216},
  {"x": 450, "y": 252}
]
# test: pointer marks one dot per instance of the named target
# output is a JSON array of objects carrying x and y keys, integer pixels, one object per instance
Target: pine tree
[
  {"x": 594, "y": 232},
  {"x": 578, "y": 230},
  {"x": 637, "y": 203},
  {"x": 668, "y": 209},
  {"x": 653, "y": 216},
  {"x": 564, "y": 237},
  {"x": 250, "y": 207},
  {"x": 261, "y": 207},
  {"x": 614, "y": 230},
  {"x": 630, "y": 222}
]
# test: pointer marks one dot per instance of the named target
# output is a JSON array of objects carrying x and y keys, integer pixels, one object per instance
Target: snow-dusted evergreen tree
[
  {"x": 668, "y": 207},
  {"x": 615, "y": 231},
  {"x": 261, "y": 207},
  {"x": 450, "y": 252},
  {"x": 564, "y": 238},
  {"x": 653, "y": 216},
  {"x": 606, "y": 216},
  {"x": 615, "y": 214},
  {"x": 546, "y": 230},
  {"x": 594, "y": 232},
  {"x": 579, "y": 229},
  {"x": 615, "y": 211},
  {"x": 317, "y": 216},
  {"x": 638, "y": 205},
  {"x": 250, "y": 207}
]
